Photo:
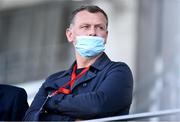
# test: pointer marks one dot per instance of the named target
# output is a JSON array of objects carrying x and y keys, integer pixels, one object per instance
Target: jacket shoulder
[
  {"x": 12, "y": 89},
  {"x": 123, "y": 65},
  {"x": 55, "y": 75}
]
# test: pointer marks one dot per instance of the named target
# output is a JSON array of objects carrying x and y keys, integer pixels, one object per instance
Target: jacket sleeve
[
  {"x": 113, "y": 95},
  {"x": 37, "y": 103},
  {"x": 20, "y": 105}
]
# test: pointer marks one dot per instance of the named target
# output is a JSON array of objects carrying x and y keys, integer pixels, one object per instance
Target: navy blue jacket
[
  {"x": 105, "y": 90},
  {"x": 13, "y": 103}
]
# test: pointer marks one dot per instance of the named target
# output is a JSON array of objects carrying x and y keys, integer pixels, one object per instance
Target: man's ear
[
  {"x": 106, "y": 36},
  {"x": 69, "y": 35}
]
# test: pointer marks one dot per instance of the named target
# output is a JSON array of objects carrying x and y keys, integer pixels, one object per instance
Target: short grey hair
[{"x": 89, "y": 8}]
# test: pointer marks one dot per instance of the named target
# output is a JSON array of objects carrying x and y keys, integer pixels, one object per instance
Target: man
[
  {"x": 94, "y": 86},
  {"x": 13, "y": 103}
]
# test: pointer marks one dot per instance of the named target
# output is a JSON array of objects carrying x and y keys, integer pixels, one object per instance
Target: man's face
[{"x": 87, "y": 24}]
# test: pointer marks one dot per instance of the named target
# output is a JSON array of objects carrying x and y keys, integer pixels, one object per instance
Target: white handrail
[{"x": 137, "y": 116}]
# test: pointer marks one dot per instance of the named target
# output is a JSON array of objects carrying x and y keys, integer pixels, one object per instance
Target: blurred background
[{"x": 143, "y": 33}]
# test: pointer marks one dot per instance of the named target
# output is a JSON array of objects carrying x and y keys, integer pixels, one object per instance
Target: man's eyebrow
[
  {"x": 100, "y": 24},
  {"x": 85, "y": 24}
]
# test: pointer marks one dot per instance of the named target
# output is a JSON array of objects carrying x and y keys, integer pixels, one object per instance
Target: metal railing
[{"x": 138, "y": 116}]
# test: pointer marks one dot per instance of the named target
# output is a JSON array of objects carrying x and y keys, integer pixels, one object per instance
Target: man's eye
[
  {"x": 101, "y": 28},
  {"x": 85, "y": 26}
]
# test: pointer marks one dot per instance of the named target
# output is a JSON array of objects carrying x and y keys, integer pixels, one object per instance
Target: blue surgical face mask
[{"x": 89, "y": 46}]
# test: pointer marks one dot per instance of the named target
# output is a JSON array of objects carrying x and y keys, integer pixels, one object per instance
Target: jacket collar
[
  {"x": 67, "y": 72},
  {"x": 99, "y": 64}
]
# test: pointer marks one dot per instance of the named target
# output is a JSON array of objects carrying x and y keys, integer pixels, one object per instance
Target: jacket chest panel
[{"x": 89, "y": 85}]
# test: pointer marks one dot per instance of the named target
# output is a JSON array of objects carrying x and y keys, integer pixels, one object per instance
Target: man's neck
[{"x": 83, "y": 62}]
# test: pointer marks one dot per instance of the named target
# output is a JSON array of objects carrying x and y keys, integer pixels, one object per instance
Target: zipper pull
[{"x": 41, "y": 109}]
